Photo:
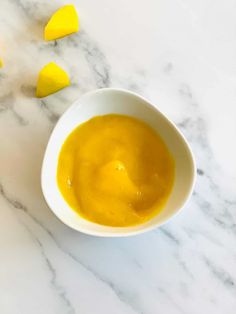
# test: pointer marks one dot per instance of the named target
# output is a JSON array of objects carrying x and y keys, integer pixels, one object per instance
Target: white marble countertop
[{"x": 181, "y": 54}]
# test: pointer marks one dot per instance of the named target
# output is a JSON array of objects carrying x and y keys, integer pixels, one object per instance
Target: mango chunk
[
  {"x": 51, "y": 79},
  {"x": 1, "y": 63},
  {"x": 63, "y": 22}
]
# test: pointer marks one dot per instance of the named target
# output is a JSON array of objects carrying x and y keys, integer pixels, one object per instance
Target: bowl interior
[{"x": 121, "y": 102}]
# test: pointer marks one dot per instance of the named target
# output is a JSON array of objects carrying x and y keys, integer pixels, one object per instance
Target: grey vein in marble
[
  {"x": 96, "y": 59},
  {"x": 169, "y": 235},
  {"x": 223, "y": 276},
  {"x": 52, "y": 116},
  {"x": 195, "y": 125},
  {"x": 119, "y": 294},
  {"x": 30, "y": 8},
  {"x": 59, "y": 289},
  {"x": 7, "y": 104},
  {"x": 200, "y": 172},
  {"x": 18, "y": 205}
]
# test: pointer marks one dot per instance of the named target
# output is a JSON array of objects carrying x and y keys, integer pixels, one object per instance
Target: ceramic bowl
[{"x": 107, "y": 101}]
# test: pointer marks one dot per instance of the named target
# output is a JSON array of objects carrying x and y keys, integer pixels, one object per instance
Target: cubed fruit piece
[
  {"x": 1, "y": 63},
  {"x": 63, "y": 22},
  {"x": 51, "y": 79}
]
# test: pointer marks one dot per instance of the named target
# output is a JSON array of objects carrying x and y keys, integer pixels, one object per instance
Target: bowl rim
[{"x": 126, "y": 233}]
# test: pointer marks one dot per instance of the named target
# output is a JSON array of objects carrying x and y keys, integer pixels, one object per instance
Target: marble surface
[{"x": 181, "y": 55}]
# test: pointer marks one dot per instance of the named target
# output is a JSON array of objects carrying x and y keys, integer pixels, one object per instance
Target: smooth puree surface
[{"x": 115, "y": 170}]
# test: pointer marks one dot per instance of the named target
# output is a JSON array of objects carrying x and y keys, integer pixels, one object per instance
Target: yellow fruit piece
[
  {"x": 63, "y": 22},
  {"x": 51, "y": 79},
  {"x": 1, "y": 63}
]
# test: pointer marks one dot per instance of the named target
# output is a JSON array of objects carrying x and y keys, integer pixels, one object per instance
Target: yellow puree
[{"x": 115, "y": 170}]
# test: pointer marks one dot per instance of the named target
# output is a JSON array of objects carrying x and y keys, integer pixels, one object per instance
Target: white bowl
[{"x": 106, "y": 101}]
